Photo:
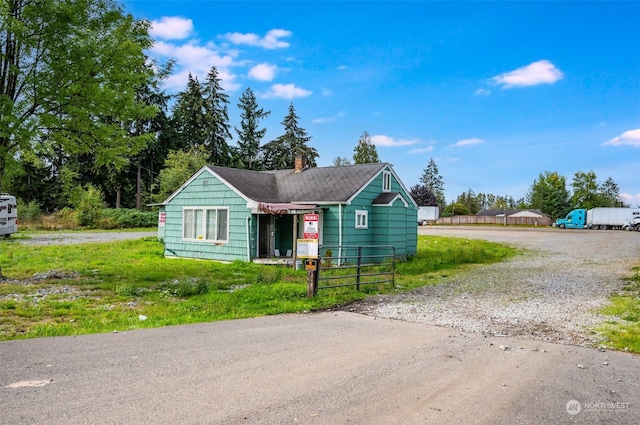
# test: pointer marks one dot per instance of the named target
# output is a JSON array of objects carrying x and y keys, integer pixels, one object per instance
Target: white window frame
[
  {"x": 386, "y": 181},
  {"x": 362, "y": 219},
  {"x": 196, "y": 228}
]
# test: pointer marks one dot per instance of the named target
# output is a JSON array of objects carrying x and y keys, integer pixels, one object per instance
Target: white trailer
[
  {"x": 610, "y": 218},
  {"x": 8, "y": 215},
  {"x": 427, "y": 214}
]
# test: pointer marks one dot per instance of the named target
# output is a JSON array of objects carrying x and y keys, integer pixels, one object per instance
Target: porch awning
[{"x": 283, "y": 208}]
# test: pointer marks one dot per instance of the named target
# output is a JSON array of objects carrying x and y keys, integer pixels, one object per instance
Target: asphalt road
[{"x": 325, "y": 368}]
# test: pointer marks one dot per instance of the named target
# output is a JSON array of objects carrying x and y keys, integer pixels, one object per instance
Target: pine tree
[
  {"x": 433, "y": 181},
  {"x": 217, "y": 128},
  {"x": 610, "y": 193},
  {"x": 249, "y": 135},
  {"x": 365, "y": 152},
  {"x": 189, "y": 115},
  {"x": 280, "y": 154}
]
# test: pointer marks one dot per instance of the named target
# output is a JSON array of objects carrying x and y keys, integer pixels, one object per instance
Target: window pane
[
  {"x": 187, "y": 224},
  {"x": 222, "y": 225},
  {"x": 199, "y": 228},
  {"x": 211, "y": 225}
]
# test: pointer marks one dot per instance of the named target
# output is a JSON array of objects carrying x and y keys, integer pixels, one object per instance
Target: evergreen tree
[
  {"x": 433, "y": 181},
  {"x": 249, "y": 133},
  {"x": 280, "y": 154},
  {"x": 610, "y": 193},
  {"x": 549, "y": 194},
  {"x": 471, "y": 201},
  {"x": 190, "y": 115},
  {"x": 365, "y": 152},
  {"x": 217, "y": 128},
  {"x": 340, "y": 161}
]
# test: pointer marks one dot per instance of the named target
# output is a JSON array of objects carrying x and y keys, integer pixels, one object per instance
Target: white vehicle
[
  {"x": 8, "y": 215},
  {"x": 427, "y": 214},
  {"x": 610, "y": 218},
  {"x": 632, "y": 224}
]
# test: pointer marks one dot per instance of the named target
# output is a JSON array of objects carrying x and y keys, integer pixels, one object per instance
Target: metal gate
[{"x": 356, "y": 265}]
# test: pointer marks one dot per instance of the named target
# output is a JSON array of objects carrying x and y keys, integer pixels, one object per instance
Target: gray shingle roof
[{"x": 313, "y": 185}]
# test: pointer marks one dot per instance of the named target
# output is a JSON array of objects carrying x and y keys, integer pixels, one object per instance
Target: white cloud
[
  {"x": 421, "y": 150},
  {"x": 540, "y": 72},
  {"x": 197, "y": 60},
  {"x": 468, "y": 142},
  {"x": 271, "y": 40},
  {"x": 171, "y": 28},
  {"x": 263, "y": 72},
  {"x": 328, "y": 119},
  {"x": 481, "y": 92},
  {"x": 631, "y": 138},
  {"x": 387, "y": 141},
  {"x": 286, "y": 91}
]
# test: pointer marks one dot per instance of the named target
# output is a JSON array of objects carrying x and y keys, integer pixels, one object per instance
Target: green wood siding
[
  {"x": 394, "y": 224},
  {"x": 388, "y": 225},
  {"x": 207, "y": 191}
]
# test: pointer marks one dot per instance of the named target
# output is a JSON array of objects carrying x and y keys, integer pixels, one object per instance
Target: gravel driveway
[{"x": 551, "y": 292}]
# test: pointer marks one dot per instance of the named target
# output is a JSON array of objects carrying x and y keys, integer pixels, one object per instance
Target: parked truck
[
  {"x": 597, "y": 218},
  {"x": 428, "y": 214},
  {"x": 8, "y": 215}
]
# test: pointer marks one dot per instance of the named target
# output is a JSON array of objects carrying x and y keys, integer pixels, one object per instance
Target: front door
[{"x": 266, "y": 243}]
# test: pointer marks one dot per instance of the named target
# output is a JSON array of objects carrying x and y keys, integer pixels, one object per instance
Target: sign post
[{"x": 308, "y": 249}]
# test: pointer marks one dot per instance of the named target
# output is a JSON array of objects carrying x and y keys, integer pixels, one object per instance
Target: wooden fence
[{"x": 505, "y": 221}]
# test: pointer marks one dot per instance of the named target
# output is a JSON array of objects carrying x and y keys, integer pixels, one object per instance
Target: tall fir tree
[
  {"x": 217, "y": 128},
  {"x": 249, "y": 133},
  {"x": 189, "y": 115},
  {"x": 280, "y": 154},
  {"x": 610, "y": 193},
  {"x": 365, "y": 151},
  {"x": 432, "y": 179}
]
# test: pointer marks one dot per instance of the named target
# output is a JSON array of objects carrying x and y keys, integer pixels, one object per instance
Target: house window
[
  {"x": 205, "y": 224},
  {"x": 362, "y": 219},
  {"x": 386, "y": 181}
]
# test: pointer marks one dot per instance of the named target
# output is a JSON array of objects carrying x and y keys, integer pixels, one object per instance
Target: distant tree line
[{"x": 548, "y": 193}]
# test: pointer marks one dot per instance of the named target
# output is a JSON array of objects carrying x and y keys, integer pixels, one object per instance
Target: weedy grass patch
[
  {"x": 106, "y": 287},
  {"x": 624, "y": 332}
]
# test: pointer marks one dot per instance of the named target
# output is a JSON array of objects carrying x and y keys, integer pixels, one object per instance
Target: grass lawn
[
  {"x": 624, "y": 333},
  {"x": 102, "y": 287}
]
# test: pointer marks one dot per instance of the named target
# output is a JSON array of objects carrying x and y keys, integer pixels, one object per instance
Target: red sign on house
[{"x": 311, "y": 226}]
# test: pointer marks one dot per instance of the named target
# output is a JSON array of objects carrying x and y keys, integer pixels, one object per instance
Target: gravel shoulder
[
  {"x": 551, "y": 292},
  {"x": 65, "y": 238}
]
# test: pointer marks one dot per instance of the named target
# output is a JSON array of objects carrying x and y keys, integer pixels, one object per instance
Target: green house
[{"x": 229, "y": 214}]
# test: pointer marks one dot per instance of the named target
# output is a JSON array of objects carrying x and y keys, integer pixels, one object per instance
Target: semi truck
[
  {"x": 597, "y": 218},
  {"x": 428, "y": 214},
  {"x": 8, "y": 215}
]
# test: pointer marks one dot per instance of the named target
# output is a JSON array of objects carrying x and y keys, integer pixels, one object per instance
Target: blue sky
[{"x": 495, "y": 92}]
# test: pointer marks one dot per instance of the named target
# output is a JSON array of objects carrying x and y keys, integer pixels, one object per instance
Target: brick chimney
[{"x": 301, "y": 164}]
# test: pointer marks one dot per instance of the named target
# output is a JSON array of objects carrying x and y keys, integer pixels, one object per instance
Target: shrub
[
  {"x": 29, "y": 213},
  {"x": 124, "y": 218},
  {"x": 89, "y": 205}
]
